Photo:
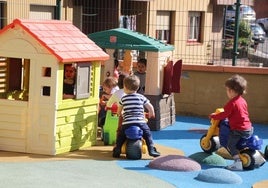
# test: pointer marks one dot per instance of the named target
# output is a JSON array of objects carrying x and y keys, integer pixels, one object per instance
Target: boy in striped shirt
[{"x": 132, "y": 108}]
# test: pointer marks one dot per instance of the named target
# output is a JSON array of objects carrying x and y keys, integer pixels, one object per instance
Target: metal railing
[{"x": 97, "y": 15}]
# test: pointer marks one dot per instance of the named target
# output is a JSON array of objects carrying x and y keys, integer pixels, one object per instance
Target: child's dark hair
[
  {"x": 116, "y": 63},
  {"x": 121, "y": 80},
  {"x": 132, "y": 82},
  {"x": 237, "y": 83},
  {"x": 143, "y": 61}
]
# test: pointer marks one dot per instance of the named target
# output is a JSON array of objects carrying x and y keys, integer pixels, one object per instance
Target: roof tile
[{"x": 62, "y": 39}]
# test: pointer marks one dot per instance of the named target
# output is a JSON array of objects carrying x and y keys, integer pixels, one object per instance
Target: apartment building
[
  {"x": 193, "y": 27},
  {"x": 34, "y": 9}
]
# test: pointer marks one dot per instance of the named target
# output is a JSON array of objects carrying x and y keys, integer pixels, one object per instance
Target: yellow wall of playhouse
[
  {"x": 76, "y": 120},
  {"x": 13, "y": 118}
]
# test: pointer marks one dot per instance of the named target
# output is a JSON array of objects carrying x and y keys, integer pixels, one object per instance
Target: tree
[{"x": 244, "y": 34}]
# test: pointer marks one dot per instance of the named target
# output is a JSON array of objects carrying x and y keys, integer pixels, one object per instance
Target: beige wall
[
  {"x": 203, "y": 91},
  {"x": 191, "y": 53},
  {"x": 21, "y": 9}
]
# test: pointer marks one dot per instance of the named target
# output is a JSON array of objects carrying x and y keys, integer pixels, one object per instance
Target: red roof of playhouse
[{"x": 62, "y": 39}]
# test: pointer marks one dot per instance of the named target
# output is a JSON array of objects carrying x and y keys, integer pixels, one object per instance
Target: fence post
[
  {"x": 58, "y": 9},
  {"x": 236, "y": 32}
]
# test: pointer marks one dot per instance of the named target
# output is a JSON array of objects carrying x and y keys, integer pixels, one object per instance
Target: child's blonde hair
[
  {"x": 132, "y": 82},
  {"x": 110, "y": 82}
]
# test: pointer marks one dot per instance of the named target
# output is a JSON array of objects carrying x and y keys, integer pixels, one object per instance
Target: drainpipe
[
  {"x": 148, "y": 18},
  {"x": 236, "y": 31},
  {"x": 58, "y": 9},
  {"x": 224, "y": 22}
]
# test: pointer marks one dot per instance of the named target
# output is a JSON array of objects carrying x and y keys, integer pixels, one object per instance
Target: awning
[{"x": 121, "y": 38}]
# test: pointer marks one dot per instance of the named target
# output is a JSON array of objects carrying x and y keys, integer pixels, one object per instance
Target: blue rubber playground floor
[{"x": 181, "y": 137}]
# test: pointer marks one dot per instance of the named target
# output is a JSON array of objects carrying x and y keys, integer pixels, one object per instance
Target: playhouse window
[
  {"x": 14, "y": 78},
  {"x": 46, "y": 71},
  {"x": 46, "y": 91},
  {"x": 83, "y": 80},
  {"x": 80, "y": 88}
]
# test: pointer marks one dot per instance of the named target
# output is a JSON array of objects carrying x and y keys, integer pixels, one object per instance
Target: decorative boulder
[
  {"x": 209, "y": 159},
  {"x": 219, "y": 175},
  {"x": 174, "y": 163}
]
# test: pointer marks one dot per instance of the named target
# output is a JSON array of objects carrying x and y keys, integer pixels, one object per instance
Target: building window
[
  {"x": 163, "y": 21},
  {"x": 42, "y": 12},
  {"x": 194, "y": 26},
  {"x": 14, "y": 74},
  {"x": 3, "y": 14}
]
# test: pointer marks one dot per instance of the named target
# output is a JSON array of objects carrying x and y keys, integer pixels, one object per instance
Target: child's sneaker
[
  {"x": 236, "y": 166},
  {"x": 116, "y": 153}
]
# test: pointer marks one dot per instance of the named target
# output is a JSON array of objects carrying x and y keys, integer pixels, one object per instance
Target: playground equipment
[
  {"x": 35, "y": 118},
  {"x": 249, "y": 148},
  {"x": 135, "y": 145},
  {"x": 159, "y": 57},
  {"x": 110, "y": 125}
]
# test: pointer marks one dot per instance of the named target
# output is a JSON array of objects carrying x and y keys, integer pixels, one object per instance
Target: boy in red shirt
[{"x": 236, "y": 111}]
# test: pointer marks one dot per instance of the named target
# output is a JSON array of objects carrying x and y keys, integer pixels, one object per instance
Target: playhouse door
[
  {"x": 41, "y": 139},
  {"x": 41, "y": 113}
]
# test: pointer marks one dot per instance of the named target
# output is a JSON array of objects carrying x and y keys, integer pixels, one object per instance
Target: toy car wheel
[
  {"x": 247, "y": 158},
  {"x": 266, "y": 152},
  {"x": 211, "y": 145},
  {"x": 134, "y": 149},
  {"x": 144, "y": 147},
  {"x": 105, "y": 138}
]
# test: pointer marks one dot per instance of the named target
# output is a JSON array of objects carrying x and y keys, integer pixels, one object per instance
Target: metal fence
[{"x": 97, "y": 15}]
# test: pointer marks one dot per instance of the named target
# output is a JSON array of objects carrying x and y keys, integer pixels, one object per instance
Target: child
[
  {"x": 236, "y": 111},
  {"x": 117, "y": 95},
  {"x": 133, "y": 105},
  {"x": 69, "y": 81},
  {"x": 116, "y": 71},
  {"x": 141, "y": 73},
  {"x": 109, "y": 86}
]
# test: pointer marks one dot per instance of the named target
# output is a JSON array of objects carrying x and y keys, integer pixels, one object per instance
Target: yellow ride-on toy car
[
  {"x": 249, "y": 148},
  {"x": 134, "y": 146}
]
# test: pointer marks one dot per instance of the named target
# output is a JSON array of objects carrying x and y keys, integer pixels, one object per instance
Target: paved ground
[
  {"x": 90, "y": 167},
  {"x": 98, "y": 152}
]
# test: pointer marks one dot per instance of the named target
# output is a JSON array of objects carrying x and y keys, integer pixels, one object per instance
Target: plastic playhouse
[
  {"x": 162, "y": 75},
  {"x": 34, "y": 117}
]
